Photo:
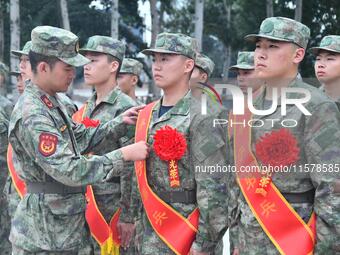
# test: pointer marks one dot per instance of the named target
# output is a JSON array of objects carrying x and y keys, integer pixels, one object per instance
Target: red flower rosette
[
  {"x": 170, "y": 145},
  {"x": 90, "y": 122},
  {"x": 276, "y": 149}
]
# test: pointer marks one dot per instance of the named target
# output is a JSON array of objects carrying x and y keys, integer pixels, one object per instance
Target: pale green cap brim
[
  {"x": 14, "y": 73},
  {"x": 78, "y": 60},
  {"x": 19, "y": 53},
  {"x": 84, "y": 50},
  {"x": 245, "y": 67},
  {"x": 315, "y": 50},
  {"x": 254, "y": 37},
  {"x": 152, "y": 51}
]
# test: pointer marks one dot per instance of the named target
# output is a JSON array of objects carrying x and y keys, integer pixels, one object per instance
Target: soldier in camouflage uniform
[
  {"x": 280, "y": 47},
  {"x": 245, "y": 69},
  {"x": 129, "y": 77},
  {"x": 204, "y": 67},
  {"x": 327, "y": 66},
  {"x": 24, "y": 64},
  {"x": 200, "y": 85},
  {"x": 173, "y": 61},
  {"x": 107, "y": 102},
  {"x": 5, "y": 221},
  {"x": 24, "y": 75},
  {"x": 50, "y": 218}
]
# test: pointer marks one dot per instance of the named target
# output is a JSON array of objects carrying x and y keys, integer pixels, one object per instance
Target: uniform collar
[
  {"x": 109, "y": 99},
  {"x": 48, "y": 100},
  {"x": 337, "y": 101},
  {"x": 182, "y": 107},
  {"x": 259, "y": 101}
]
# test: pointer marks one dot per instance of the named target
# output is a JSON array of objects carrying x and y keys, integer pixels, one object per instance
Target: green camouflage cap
[
  {"x": 282, "y": 29},
  {"x": 174, "y": 43},
  {"x": 245, "y": 60},
  {"x": 57, "y": 42},
  {"x": 132, "y": 66},
  {"x": 205, "y": 63},
  {"x": 106, "y": 45},
  {"x": 328, "y": 43},
  {"x": 24, "y": 51}
]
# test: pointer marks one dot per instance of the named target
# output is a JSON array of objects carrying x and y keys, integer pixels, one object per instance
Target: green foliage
[
  {"x": 321, "y": 16},
  {"x": 84, "y": 20}
]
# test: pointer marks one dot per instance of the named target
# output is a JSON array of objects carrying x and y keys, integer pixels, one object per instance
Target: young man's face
[
  {"x": 20, "y": 84},
  {"x": 99, "y": 70},
  {"x": 198, "y": 76},
  {"x": 327, "y": 66},
  {"x": 170, "y": 69},
  {"x": 274, "y": 59},
  {"x": 59, "y": 77},
  {"x": 247, "y": 78},
  {"x": 127, "y": 82},
  {"x": 25, "y": 67}
]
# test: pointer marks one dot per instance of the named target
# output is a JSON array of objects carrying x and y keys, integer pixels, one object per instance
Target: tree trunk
[
  {"x": 298, "y": 10},
  {"x": 14, "y": 13},
  {"x": 269, "y": 7},
  {"x": 115, "y": 19},
  {"x": 2, "y": 34},
  {"x": 64, "y": 15},
  {"x": 155, "y": 22},
  {"x": 199, "y": 15},
  {"x": 227, "y": 60},
  {"x": 226, "y": 63},
  {"x": 155, "y": 29}
]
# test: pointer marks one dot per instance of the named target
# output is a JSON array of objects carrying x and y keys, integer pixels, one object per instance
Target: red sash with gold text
[
  {"x": 285, "y": 228},
  {"x": 176, "y": 231},
  {"x": 105, "y": 234}
]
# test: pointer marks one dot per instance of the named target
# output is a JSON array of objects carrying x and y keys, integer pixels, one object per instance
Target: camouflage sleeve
[
  {"x": 3, "y": 151},
  {"x": 233, "y": 212},
  {"x": 208, "y": 151},
  {"x": 322, "y": 148},
  {"x": 42, "y": 141},
  {"x": 126, "y": 215},
  {"x": 88, "y": 138},
  {"x": 233, "y": 194},
  {"x": 135, "y": 199}
]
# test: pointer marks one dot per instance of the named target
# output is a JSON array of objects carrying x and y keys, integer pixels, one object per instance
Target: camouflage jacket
[
  {"x": 110, "y": 196},
  {"x": 12, "y": 195},
  {"x": 5, "y": 114},
  {"x": 206, "y": 147},
  {"x": 5, "y": 110},
  {"x": 56, "y": 222},
  {"x": 336, "y": 101},
  {"x": 70, "y": 106},
  {"x": 318, "y": 137}
]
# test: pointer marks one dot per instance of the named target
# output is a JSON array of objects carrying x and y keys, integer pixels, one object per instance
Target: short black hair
[{"x": 36, "y": 58}]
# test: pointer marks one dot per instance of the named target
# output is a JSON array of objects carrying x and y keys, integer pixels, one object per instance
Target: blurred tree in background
[{"x": 225, "y": 23}]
